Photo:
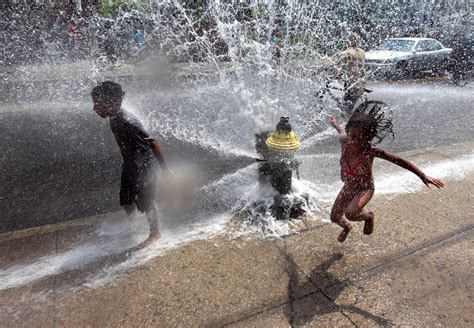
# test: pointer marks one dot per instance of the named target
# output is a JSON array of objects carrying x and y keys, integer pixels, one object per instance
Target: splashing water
[{"x": 213, "y": 78}]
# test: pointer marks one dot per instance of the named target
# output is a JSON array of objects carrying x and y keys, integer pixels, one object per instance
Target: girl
[{"x": 358, "y": 152}]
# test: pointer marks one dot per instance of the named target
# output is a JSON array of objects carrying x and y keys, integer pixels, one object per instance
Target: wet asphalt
[{"x": 59, "y": 160}]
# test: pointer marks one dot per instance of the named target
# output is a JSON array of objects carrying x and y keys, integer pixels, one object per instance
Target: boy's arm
[
  {"x": 154, "y": 144},
  {"x": 407, "y": 165},
  {"x": 156, "y": 148},
  {"x": 339, "y": 129}
]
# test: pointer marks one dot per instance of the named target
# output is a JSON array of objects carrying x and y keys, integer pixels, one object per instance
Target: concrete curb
[{"x": 34, "y": 231}]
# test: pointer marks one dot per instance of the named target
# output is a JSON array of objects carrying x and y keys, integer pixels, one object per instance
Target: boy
[
  {"x": 351, "y": 66},
  {"x": 139, "y": 151}
]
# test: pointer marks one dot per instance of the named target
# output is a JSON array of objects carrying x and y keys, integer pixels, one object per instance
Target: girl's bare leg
[
  {"x": 369, "y": 224},
  {"x": 337, "y": 212},
  {"x": 355, "y": 210}
]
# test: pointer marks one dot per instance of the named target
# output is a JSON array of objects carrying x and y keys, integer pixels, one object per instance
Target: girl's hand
[
  {"x": 428, "y": 180},
  {"x": 339, "y": 129}
]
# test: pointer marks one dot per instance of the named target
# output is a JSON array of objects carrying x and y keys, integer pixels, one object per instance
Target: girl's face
[{"x": 356, "y": 137}]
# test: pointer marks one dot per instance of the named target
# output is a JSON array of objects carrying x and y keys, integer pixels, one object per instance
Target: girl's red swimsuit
[{"x": 360, "y": 172}]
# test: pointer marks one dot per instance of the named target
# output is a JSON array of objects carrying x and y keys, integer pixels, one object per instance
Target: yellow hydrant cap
[{"x": 282, "y": 141}]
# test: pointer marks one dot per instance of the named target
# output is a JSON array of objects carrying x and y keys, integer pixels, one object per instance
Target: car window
[
  {"x": 397, "y": 45},
  {"x": 435, "y": 45},
  {"x": 423, "y": 45}
]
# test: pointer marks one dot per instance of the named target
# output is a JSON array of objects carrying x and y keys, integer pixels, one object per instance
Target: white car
[{"x": 405, "y": 56}]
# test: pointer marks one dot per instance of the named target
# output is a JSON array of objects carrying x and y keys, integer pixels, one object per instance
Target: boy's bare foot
[
  {"x": 343, "y": 235},
  {"x": 369, "y": 224},
  {"x": 154, "y": 236}
]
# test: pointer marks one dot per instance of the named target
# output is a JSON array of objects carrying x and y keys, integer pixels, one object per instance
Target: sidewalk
[
  {"x": 84, "y": 69},
  {"x": 415, "y": 270}
]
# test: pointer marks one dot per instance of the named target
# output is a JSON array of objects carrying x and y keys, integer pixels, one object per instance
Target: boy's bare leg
[
  {"x": 355, "y": 212},
  {"x": 129, "y": 209},
  {"x": 154, "y": 235},
  {"x": 337, "y": 213},
  {"x": 152, "y": 217}
]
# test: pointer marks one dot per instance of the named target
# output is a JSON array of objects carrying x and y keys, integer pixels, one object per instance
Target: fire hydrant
[
  {"x": 277, "y": 149},
  {"x": 281, "y": 162},
  {"x": 278, "y": 162}
]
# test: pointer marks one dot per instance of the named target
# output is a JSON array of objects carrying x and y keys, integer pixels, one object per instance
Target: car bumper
[
  {"x": 380, "y": 68},
  {"x": 370, "y": 65}
]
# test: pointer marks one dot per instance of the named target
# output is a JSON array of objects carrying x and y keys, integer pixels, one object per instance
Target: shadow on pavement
[
  {"x": 320, "y": 302},
  {"x": 305, "y": 299}
]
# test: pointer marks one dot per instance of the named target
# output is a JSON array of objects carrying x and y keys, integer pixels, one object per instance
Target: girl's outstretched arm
[
  {"x": 340, "y": 129},
  {"x": 395, "y": 159}
]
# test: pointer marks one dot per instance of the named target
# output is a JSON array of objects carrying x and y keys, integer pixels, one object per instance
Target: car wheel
[
  {"x": 402, "y": 70},
  {"x": 440, "y": 71}
]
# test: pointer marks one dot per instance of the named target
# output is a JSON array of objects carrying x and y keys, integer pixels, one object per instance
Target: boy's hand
[
  {"x": 428, "y": 180},
  {"x": 167, "y": 172},
  {"x": 333, "y": 121}
]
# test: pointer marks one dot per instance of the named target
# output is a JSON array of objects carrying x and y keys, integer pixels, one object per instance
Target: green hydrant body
[
  {"x": 281, "y": 173},
  {"x": 277, "y": 149},
  {"x": 278, "y": 152}
]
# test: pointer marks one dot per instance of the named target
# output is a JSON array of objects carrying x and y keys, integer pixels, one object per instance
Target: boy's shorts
[{"x": 138, "y": 188}]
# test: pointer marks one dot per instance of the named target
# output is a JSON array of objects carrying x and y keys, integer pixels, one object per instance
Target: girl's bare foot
[
  {"x": 369, "y": 224},
  {"x": 343, "y": 235}
]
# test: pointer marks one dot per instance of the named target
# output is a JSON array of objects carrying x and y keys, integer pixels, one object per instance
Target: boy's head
[
  {"x": 353, "y": 39},
  {"x": 107, "y": 97},
  {"x": 368, "y": 122}
]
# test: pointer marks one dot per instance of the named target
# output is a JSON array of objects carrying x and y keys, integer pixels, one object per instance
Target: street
[
  {"x": 249, "y": 101},
  {"x": 60, "y": 160}
]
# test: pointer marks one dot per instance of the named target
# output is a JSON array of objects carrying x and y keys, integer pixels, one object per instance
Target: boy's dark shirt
[{"x": 133, "y": 140}]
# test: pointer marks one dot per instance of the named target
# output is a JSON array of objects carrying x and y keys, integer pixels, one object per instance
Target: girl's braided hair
[{"x": 370, "y": 116}]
